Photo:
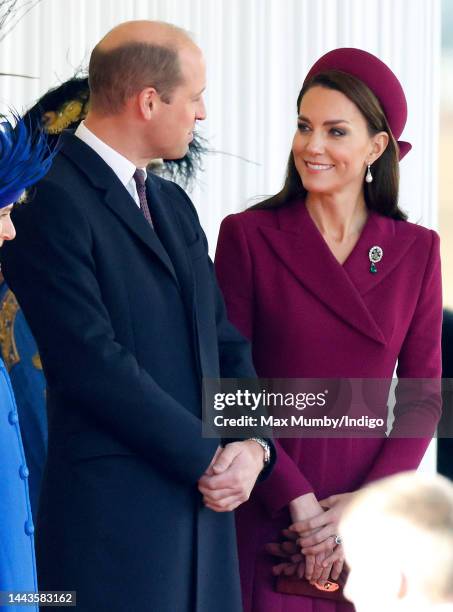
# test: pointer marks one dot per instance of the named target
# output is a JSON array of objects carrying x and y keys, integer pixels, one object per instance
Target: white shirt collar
[{"x": 121, "y": 166}]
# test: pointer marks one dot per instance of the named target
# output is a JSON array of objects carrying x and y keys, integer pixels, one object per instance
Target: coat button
[
  {"x": 29, "y": 528},
  {"x": 23, "y": 472},
  {"x": 13, "y": 417}
]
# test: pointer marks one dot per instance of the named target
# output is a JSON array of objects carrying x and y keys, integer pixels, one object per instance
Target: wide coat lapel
[
  {"x": 115, "y": 195},
  {"x": 168, "y": 227},
  {"x": 170, "y": 230},
  {"x": 341, "y": 288},
  {"x": 395, "y": 244}
]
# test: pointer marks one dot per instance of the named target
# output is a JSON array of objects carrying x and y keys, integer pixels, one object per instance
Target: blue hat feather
[{"x": 25, "y": 157}]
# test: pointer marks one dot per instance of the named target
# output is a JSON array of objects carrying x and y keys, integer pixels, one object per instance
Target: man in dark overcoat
[{"x": 112, "y": 271}]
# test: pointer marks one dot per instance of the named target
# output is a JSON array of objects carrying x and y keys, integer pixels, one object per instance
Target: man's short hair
[{"x": 115, "y": 75}]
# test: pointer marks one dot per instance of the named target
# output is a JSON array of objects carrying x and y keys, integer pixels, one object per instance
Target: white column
[{"x": 258, "y": 52}]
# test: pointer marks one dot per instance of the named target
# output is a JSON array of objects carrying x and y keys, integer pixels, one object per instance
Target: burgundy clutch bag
[{"x": 291, "y": 585}]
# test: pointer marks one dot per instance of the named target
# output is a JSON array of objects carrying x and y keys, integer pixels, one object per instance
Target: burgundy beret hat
[{"x": 378, "y": 77}]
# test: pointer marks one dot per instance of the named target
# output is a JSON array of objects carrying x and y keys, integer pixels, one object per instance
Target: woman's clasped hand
[{"x": 311, "y": 548}]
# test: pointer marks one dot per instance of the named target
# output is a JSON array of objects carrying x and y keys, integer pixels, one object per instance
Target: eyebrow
[
  {"x": 200, "y": 92},
  {"x": 329, "y": 122}
]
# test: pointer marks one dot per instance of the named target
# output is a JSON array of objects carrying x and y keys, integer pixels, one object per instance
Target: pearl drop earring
[{"x": 369, "y": 176}]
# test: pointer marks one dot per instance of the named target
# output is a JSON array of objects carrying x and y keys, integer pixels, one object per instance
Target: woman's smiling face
[{"x": 332, "y": 145}]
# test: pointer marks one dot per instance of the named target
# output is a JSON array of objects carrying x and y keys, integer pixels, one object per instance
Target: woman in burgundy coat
[{"x": 303, "y": 282}]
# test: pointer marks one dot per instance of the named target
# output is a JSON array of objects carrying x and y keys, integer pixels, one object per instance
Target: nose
[
  {"x": 201, "y": 110},
  {"x": 7, "y": 230},
  {"x": 314, "y": 143}
]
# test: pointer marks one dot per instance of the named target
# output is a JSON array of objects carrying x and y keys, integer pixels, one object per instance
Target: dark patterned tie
[{"x": 140, "y": 182}]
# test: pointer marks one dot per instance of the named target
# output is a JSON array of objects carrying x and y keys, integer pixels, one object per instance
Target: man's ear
[{"x": 148, "y": 101}]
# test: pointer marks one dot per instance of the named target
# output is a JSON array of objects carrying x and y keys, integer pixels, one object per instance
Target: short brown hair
[{"x": 117, "y": 74}]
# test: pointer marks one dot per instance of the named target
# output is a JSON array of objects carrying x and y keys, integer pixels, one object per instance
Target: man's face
[{"x": 175, "y": 122}]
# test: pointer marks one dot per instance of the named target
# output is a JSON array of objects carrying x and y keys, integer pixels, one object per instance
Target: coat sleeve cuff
[{"x": 285, "y": 483}]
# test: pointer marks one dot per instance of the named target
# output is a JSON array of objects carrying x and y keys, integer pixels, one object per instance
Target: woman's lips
[{"x": 317, "y": 167}]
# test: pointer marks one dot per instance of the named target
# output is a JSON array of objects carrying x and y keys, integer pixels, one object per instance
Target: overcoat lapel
[
  {"x": 166, "y": 242},
  {"x": 115, "y": 195},
  {"x": 169, "y": 229},
  {"x": 306, "y": 255},
  {"x": 379, "y": 231}
]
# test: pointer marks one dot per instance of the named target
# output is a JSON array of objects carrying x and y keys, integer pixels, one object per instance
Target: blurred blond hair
[{"x": 409, "y": 518}]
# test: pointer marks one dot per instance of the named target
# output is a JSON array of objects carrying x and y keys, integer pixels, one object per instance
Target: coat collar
[
  {"x": 301, "y": 247},
  {"x": 117, "y": 198}
]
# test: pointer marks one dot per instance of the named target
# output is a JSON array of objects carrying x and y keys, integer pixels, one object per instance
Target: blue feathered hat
[{"x": 25, "y": 157}]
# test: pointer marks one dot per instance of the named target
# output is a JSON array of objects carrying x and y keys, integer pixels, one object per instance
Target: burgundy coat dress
[{"x": 309, "y": 316}]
